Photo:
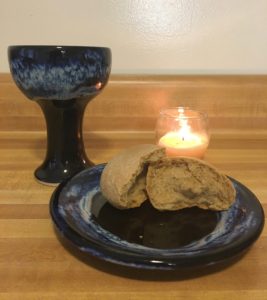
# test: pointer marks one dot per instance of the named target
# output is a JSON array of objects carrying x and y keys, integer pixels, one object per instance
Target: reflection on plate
[{"x": 146, "y": 238}]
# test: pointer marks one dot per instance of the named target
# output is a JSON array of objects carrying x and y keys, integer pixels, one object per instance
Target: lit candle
[
  {"x": 193, "y": 145},
  {"x": 184, "y": 140}
]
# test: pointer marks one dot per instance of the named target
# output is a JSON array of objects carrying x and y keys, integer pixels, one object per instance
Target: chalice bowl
[{"x": 62, "y": 80}]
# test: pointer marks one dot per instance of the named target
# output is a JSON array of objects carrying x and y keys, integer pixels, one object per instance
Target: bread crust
[
  {"x": 177, "y": 183},
  {"x": 123, "y": 179}
]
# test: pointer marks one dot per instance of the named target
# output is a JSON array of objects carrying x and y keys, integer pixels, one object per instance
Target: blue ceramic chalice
[{"x": 62, "y": 80}]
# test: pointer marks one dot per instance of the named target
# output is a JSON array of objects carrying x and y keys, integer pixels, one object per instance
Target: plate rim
[{"x": 137, "y": 260}]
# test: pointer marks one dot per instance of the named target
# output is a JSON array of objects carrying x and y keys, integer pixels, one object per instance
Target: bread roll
[
  {"x": 176, "y": 183},
  {"x": 123, "y": 181}
]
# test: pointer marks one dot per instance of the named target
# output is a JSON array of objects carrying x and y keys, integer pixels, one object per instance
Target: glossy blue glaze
[
  {"x": 71, "y": 210},
  {"x": 62, "y": 80},
  {"x": 59, "y": 72}
]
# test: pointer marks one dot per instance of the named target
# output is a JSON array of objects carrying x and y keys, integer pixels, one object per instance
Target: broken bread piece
[
  {"x": 123, "y": 181},
  {"x": 176, "y": 183}
]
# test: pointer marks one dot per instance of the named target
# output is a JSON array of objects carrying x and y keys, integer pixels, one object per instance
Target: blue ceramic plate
[{"x": 146, "y": 238}]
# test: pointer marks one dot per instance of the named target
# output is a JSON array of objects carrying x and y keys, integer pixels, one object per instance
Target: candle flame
[
  {"x": 181, "y": 110},
  {"x": 183, "y": 140},
  {"x": 184, "y": 132}
]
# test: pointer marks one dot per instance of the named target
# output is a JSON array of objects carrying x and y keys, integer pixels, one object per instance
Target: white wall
[{"x": 147, "y": 36}]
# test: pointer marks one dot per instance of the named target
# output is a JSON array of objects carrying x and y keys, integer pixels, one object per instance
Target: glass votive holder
[{"x": 183, "y": 132}]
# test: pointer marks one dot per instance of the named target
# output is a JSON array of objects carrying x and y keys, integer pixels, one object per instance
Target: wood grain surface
[
  {"x": 134, "y": 102},
  {"x": 35, "y": 265}
]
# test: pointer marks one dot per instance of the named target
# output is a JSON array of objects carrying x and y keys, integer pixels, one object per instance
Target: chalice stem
[{"x": 65, "y": 154}]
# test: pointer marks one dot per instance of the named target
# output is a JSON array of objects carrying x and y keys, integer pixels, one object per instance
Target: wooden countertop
[{"x": 34, "y": 265}]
